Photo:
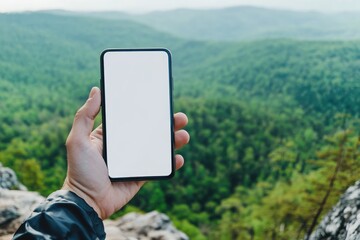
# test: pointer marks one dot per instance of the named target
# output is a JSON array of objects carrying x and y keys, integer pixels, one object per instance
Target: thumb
[{"x": 84, "y": 118}]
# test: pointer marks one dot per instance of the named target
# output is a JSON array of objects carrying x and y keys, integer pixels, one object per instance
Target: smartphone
[{"x": 138, "y": 137}]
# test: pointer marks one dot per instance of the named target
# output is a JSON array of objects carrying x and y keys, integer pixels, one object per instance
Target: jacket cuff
[{"x": 71, "y": 197}]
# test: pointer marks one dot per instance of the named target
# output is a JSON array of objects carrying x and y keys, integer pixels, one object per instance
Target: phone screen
[{"x": 137, "y": 113}]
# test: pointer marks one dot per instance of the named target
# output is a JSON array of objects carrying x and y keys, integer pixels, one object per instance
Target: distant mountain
[
  {"x": 245, "y": 23},
  {"x": 241, "y": 23}
]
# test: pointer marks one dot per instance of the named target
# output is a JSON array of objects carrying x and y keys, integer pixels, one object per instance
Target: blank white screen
[{"x": 138, "y": 113}]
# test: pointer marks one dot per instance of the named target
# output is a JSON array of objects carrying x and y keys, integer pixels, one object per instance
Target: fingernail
[{"x": 92, "y": 92}]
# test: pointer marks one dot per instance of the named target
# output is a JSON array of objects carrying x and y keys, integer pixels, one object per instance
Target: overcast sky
[{"x": 150, "y": 5}]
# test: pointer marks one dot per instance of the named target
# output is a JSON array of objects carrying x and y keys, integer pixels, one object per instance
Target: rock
[
  {"x": 15, "y": 207},
  {"x": 6, "y": 237},
  {"x": 150, "y": 226},
  {"x": 8, "y": 179},
  {"x": 343, "y": 221}
]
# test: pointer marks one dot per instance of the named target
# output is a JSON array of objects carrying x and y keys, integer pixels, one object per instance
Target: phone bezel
[{"x": 103, "y": 111}]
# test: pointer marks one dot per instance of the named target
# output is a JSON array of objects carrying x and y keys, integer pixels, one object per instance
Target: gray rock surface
[
  {"x": 343, "y": 221},
  {"x": 8, "y": 179},
  {"x": 150, "y": 226},
  {"x": 15, "y": 206}
]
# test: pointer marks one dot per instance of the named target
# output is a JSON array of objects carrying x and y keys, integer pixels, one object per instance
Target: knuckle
[
  {"x": 79, "y": 114},
  {"x": 69, "y": 141}
]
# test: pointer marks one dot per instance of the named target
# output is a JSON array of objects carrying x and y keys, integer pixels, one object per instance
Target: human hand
[{"x": 87, "y": 174}]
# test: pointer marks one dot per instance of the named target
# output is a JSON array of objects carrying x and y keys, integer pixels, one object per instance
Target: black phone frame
[{"x": 103, "y": 112}]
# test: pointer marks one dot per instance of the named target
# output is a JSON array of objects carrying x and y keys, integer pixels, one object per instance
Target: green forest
[{"x": 274, "y": 123}]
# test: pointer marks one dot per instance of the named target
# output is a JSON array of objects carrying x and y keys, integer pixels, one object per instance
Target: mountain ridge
[{"x": 243, "y": 23}]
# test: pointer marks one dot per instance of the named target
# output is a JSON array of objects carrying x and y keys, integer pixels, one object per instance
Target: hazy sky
[{"x": 150, "y": 5}]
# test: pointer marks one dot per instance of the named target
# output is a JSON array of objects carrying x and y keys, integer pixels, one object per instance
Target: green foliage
[
  {"x": 192, "y": 231},
  {"x": 288, "y": 210},
  {"x": 29, "y": 171},
  {"x": 125, "y": 210},
  {"x": 266, "y": 118}
]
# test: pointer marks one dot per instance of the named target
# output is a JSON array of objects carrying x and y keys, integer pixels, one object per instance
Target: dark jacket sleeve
[{"x": 63, "y": 215}]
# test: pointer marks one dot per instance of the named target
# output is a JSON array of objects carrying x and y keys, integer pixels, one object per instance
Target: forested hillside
[{"x": 274, "y": 124}]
